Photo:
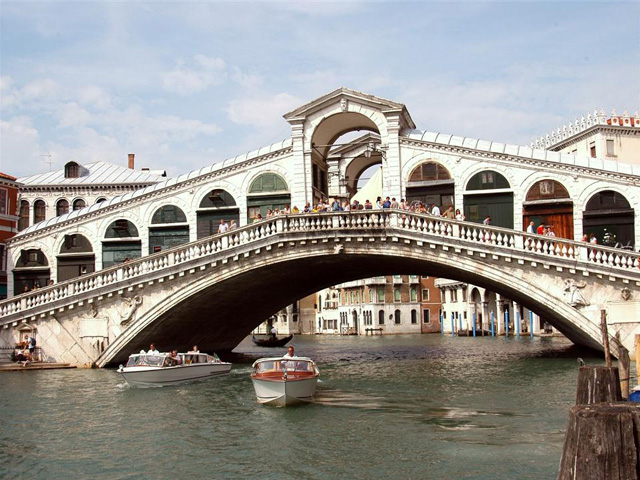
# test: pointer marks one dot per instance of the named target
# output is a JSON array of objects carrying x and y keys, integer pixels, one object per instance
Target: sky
[{"x": 186, "y": 84}]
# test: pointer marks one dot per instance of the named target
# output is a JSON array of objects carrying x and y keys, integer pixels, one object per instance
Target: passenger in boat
[
  {"x": 274, "y": 332},
  {"x": 152, "y": 350},
  {"x": 290, "y": 352},
  {"x": 174, "y": 358},
  {"x": 194, "y": 349}
]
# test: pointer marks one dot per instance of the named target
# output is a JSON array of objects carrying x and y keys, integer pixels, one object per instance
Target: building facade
[
  {"x": 50, "y": 195},
  {"x": 8, "y": 223}
]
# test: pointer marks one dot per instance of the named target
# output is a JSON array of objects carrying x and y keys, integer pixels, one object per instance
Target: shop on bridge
[
  {"x": 218, "y": 205},
  {"x": 75, "y": 258},
  {"x": 548, "y": 203},
  {"x": 488, "y": 193},
  {"x": 31, "y": 271},
  {"x": 609, "y": 216}
]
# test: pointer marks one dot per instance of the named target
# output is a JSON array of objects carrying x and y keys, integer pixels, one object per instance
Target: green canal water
[{"x": 393, "y": 407}]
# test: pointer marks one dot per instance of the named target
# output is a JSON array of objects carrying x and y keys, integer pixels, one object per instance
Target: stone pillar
[
  {"x": 301, "y": 190},
  {"x": 499, "y": 315},
  {"x": 391, "y": 161}
]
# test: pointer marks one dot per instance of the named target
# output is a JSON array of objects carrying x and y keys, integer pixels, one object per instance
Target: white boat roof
[{"x": 275, "y": 359}]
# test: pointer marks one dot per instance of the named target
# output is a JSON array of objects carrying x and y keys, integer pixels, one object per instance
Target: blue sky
[{"x": 188, "y": 84}]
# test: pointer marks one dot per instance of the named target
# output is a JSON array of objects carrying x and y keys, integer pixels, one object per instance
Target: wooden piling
[
  {"x": 605, "y": 337},
  {"x": 598, "y": 384},
  {"x": 600, "y": 443},
  {"x": 624, "y": 365}
]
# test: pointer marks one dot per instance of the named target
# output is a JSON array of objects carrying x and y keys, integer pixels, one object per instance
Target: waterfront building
[
  {"x": 45, "y": 196},
  {"x": 9, "y": 187},
  {"x": 462, "y": 304},
  {"x": 392, "y": 304}
]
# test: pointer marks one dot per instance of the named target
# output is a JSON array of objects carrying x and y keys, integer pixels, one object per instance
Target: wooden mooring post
[{"x": 600, "y": 442}]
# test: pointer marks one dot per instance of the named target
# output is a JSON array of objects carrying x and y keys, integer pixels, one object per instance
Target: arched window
[
  {"x": 168, "y": 214},
  {"x": 487, "y": 180},
  {"x": 71, "y": 170},
  {"x": 380, "y": 317},
  {"x": 482, "y": 200},
  {"x": 121, "y": 229},
  {"x": 414, "y": 316},
  {"x": 39, "y": 211},
  {"x": 397, "y": 318},
  {"x": 429, "y": 171},
  {"x": 75, "y": 257},
  {"x": 216, "y": 206},
  {"x": 78, "y": 203},
  {"x": 414, "y": 295},
  {"x": 267, "y": 192},
  {"x": 396, "y": 295},
  {"x": 268, "y": 182},
  {"x": 101, "y": 199},
  {"x": 31, "y": 271},
  {"x": 24, "y": 215},
  {"x": 62, "y": 207}
]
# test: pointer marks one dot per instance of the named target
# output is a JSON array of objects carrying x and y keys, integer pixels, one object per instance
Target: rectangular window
[
  {"x": 426, "y": 316},
  {"x": 4, "y": 201},
  {"x": 592, "y": 149},
  {"x": 454, "y": 296},
  {"x": 610, "y": 149},
  {"x": 413, "y": 295},
  {"x": 381, "y": 295},
  {"x": 425, "y": 295}
]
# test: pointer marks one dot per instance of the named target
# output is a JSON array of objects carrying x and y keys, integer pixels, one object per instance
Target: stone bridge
[{"x": 214, "y": 291}]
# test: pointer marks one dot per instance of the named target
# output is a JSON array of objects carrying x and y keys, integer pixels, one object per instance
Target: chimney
[{"x": 131, "y": 160}]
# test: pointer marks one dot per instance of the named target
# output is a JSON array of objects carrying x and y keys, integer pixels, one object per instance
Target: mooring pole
[
  {"x": 441, "y": 324},
  {"x": 474, "y": 324},
  {"x": 517, "y": 322},
  {"x": 453, "y": 325},
  {"x": 605, "y": 337},
  {"x": 506, "y": 322},
  {"x": 493, "y": 324}
]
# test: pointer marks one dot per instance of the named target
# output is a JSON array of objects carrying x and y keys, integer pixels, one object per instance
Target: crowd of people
[{"x": 326, "y": 206}]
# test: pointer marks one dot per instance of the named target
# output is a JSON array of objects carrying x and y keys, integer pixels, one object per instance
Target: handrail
[{"x": 368, "y": 220}]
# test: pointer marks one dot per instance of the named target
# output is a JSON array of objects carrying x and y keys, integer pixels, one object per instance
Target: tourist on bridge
[
  {"x": 448, "y": 213},
  {"x": 367, "y": 205},
  {"x": 435, "y": 210},
  {"x": 223, "y": 227},
  {"x": 540, "y": 230},
  {"x": 487, "y": 220},
  {"x": 530, "y": 228}
]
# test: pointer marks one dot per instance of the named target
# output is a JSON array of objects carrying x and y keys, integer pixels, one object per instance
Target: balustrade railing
[{"x": 466, "y": 233}]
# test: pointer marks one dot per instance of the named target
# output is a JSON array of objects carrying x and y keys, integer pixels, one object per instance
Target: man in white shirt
[
  {"x": 530, "y": 228},
  {"x": 435, "y": 210},
  {"x": 223, "y": 226},
  {"x": 290, "y": 352},
  {"x": 152, "y": 350}
]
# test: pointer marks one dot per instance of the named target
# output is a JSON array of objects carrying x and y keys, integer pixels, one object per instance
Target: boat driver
[{"x": 290, "y": 352}]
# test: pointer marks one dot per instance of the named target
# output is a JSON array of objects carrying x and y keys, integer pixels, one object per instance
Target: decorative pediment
[{"x": 343, "y": 97}]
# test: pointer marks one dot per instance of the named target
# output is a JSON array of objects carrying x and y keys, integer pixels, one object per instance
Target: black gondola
[{"x": 271, "y": 341}]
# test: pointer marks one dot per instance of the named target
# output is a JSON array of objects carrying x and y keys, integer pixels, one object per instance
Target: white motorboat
[
  {"x": 284, "y": 381},
  {"x": 158, "y": 370}
]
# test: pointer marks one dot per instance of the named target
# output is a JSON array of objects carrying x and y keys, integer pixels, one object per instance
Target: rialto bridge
[{"x": 148, "y": 266}]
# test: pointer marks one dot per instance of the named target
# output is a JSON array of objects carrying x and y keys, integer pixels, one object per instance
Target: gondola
[{"x": 272, "y": 342}]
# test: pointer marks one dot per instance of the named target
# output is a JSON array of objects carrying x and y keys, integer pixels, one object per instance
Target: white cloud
[
  {"x": 19, "y": 145},
  {"x": 262, "y": 112},
  {"x": 205, "y": 72}
]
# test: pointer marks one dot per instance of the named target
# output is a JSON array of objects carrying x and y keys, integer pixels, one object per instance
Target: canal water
[{"x": 392, "y": 407}]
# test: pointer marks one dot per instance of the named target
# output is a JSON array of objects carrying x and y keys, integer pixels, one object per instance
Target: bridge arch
[
  {"x": 213, "y": 304},
  {"x": 75, "y": 257},
  {"x": 122, "y": 241},
  {"x": 608, "y": 212},
  {"x": 548, "y": 201},
  {"x": 498, "y": 202}
]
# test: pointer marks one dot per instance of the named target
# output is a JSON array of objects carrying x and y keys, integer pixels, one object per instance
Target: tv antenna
[{"x": 49, "y": 161}]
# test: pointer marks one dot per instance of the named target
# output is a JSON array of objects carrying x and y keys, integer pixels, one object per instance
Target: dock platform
[{"x": 15, "y": 367}]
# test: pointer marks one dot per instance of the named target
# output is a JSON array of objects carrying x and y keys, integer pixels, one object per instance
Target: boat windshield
[
  {"x": 284, "y": 364},
  {"x": 145, "y": 360}
]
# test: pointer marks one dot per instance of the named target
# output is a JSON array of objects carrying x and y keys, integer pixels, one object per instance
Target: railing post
[{"x": 393, "y": 219}]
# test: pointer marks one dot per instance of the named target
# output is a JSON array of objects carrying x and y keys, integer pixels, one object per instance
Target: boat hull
[
  {"x": 284, "y": 392},
  {"x": 271, "y": 342},
  {"x": 152, "y": 376}
]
